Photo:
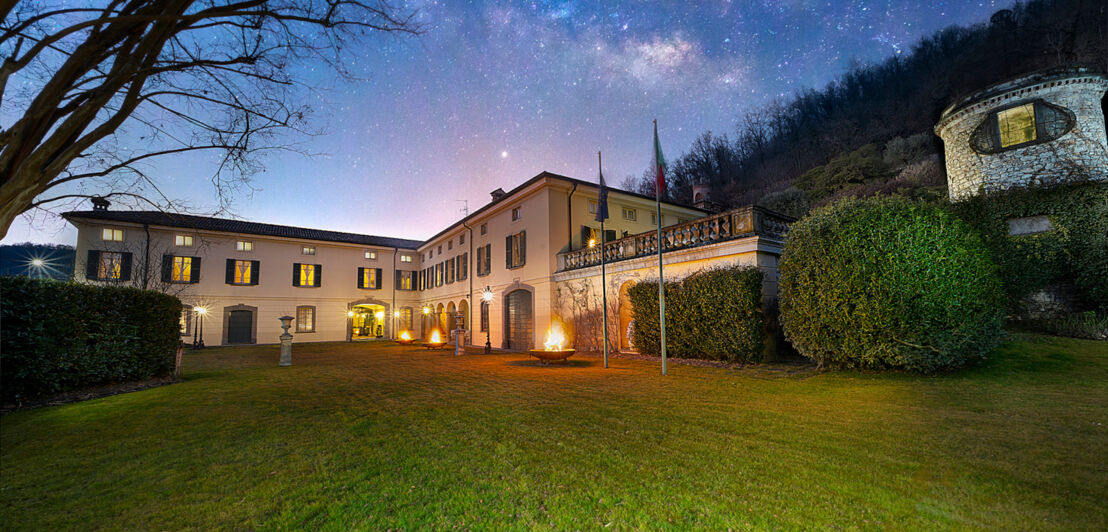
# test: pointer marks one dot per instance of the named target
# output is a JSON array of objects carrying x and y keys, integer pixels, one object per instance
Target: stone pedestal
[{"x": 286, "y": 350}]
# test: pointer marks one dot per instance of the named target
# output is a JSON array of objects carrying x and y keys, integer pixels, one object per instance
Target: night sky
[{"x": 492, "y": 94}]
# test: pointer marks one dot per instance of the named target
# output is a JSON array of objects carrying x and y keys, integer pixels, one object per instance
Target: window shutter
[
  {"x": 361, "y": 277},
  {"x": 396, "y": 279},
  {"x": 318, "y": 275},
  {"x": 229, "y": 278},
  {"x": 610, "y": 235},
  {"x": 255, "y": 271},
  {"x": 586, "y": 234},
  {"x": 125, "y": 267},
  {"x": 296, "y": 274},
  {"x": 522, "y": 248},
  {"x": 167, "y": 268},
  {"x": 194, "y": 273},
  {"x": 508, "y": 251},
  {"x": 92, "y": 267},
  {"x": 377, "y": 281}
]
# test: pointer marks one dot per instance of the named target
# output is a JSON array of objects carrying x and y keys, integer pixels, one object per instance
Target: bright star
[{"x": 504, "y": 154}]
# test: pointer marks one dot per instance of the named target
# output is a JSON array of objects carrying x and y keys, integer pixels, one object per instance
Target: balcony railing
[{"x": 734, "y": 224}]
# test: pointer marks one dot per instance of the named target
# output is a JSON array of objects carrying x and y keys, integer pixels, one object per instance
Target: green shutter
[
  {"x": 522, "y": 248},
  {"x": 125, "y": 267},
  {"x": 508, "y": 252},
  {"x": 92, "y": 267},
  {"x": 229, "y": 276},
  {"x": 296, "y": 274},
  {"x": 318, "y": 275},
  {"x": 167, "y": 268},
  {"x": 194, "y": 273},
  {"x": 361, "y": 277},
  {"x": 377, "y": 282},
  {"x": 255, "y": 271}
]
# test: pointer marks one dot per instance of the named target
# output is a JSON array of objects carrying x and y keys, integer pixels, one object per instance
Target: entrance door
[
  {"x": 239, "y": 325},
  {"x": 520, "y": 320}
]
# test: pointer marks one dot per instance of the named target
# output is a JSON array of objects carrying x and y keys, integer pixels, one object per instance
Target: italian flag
[{"x": 659, "y": 166}]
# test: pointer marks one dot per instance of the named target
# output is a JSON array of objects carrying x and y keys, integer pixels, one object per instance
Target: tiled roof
[{"x": 205, "y": 223}]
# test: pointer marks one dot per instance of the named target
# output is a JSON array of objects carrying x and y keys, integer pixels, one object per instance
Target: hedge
[
  {"x": 63, "y": 336},
  {"x": 1074, "y": 251},
  {"x": 889, "y": 283},
  {"x": 714, "y": 314}
]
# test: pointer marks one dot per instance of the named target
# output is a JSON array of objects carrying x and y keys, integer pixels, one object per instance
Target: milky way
[{"x": 492, "y": 94}]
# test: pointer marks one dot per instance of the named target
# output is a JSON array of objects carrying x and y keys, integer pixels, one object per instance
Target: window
[
  {"x": 307, "y": 275},
  {"x": 112, "y": 235},
  {"x": 405, "y": 258},
  {"x": 516, "y": 250},
  {"x": 449, "y": 267},
  {"x": 405, "y": 280},
  {"x": 244, "y": 245},
  {"x": 183, "y": 241},
  {"x": 629, "y": 214},
  {"x": 653, "y": 219},
  {"x": 484, "y": 316},
  {"x": 186, "y": 320},
  {"x": 450, "y": 244},
  {"x": 369, "y": 278},
  {"x": 182, "y": 270},
  {"x": 484, "y": 260},
  {"x": 463, "y": 266},
  {"x": 592, "y": 207},
  {"x": 371, "y": 255},
  {"x": 461, "y": 239},
  {"x": 405, "y": 318},
  {"x": 440, "y": 274},
  {"x": 243, "y": 272},
  {"x": 308, "y": 250},
  {"x": 516, "y": 214},
  {"x": 305, "y": 319},
  {"x": 440, "y": 249},
  {"x": 111, "y": 266},
  {"x": 484, "y": 229},
  {"x": 1016, "y": 125}
]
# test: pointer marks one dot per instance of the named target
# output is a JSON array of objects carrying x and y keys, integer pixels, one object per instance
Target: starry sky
[{"x": 494, "y": 93}]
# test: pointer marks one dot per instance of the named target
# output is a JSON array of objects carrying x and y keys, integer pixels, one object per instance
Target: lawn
[{"x": 379, "y": 436}]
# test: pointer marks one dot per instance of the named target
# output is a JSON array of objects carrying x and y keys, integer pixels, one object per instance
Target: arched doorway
[
  {"x": 519, "y": 320},
  {"x": 463, "y": 321},
  {"x": 451, "y": 318},
  {"x": 440, "y": 317},
  {"x": 625, "y": 316},
  {"x": 367, "y": 321}
]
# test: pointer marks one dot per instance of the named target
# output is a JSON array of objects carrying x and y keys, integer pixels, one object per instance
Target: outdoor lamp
[
  {"x": 487, "y": 297},
  {"x": 200, "y": 312},
  {"x": 426, "y": 309},
  {"x": 396, "y": 313},
  {"x": 350, "y": 314}
]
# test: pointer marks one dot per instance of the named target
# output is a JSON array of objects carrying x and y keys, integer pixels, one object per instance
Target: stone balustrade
[{"x": 738, "y": 223}]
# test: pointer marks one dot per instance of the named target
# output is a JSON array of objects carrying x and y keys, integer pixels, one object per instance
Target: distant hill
[
  {"x": 19, "y": 259},
  {"x": 871, "y": 129}
]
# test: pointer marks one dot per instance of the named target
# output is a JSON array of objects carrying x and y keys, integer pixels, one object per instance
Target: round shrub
[{"x": 889, "y": 283}]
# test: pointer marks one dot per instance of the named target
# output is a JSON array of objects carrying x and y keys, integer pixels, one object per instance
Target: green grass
[{"x": 377, "y": 436}]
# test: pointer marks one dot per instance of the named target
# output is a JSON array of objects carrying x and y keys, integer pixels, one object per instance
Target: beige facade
[{"x": 530, "y": 248}]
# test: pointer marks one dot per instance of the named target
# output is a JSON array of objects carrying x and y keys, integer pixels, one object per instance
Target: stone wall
[{"x": 1080, "y": 153}]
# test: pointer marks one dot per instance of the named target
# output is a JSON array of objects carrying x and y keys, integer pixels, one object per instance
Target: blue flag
[{"x": 602, "y": 202}]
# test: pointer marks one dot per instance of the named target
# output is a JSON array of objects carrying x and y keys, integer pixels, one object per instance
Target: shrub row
[
  {"x": 62, "y": 336},
  {"x": 714, "y": 314},
  {"x": 889, "y": 283},
  {"x": 1074, "y": 251}
]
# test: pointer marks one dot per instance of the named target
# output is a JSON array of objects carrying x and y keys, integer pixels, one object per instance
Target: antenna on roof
[{"x": 465, "y": 207}]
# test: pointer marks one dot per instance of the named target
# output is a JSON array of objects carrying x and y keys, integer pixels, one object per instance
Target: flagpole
[
  {"x": 603, "y": 276},
  {"x": 661, "y": 280}
]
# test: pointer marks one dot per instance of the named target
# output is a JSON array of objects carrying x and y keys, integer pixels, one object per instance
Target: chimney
[
  {"x": 100, "y": 204},
  {"x": 498, "y": 194}
]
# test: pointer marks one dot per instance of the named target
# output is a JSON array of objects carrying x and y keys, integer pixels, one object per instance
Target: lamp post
[
  {"x": 195, "y": 326},
  {"x": 200, "y": 312},
  {"x": 486, "y": 296}
]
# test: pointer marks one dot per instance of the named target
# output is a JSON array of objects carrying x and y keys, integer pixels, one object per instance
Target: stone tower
[{"x": 1042, "y": 128}]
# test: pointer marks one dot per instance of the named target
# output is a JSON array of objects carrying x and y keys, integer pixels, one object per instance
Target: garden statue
[{"x": 286, "y": 341}]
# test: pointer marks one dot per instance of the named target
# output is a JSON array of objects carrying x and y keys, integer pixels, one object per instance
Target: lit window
[
  {"x": 406, "y": 318},
  {"x": 517, "y": 250},
  {"x": 369, "y": 278},
  {"x": 244, "y": 272},
  {"x": 308, "y": 250},
  {"x": 111, "y": 265},
  {"x": 112, "y": 235},
  {"x": 629, "y": 214},
  {"x": 405, "y": 258},
  {"x": 462, "y": 239},
  {"x": 307, "y": 275},
  {"x": 516, "y": 214},
  {"x": 182, "y": 270},
  {"x": 244, "y": 245},
  {"x": 183, "y": 240},
  {"x": 305, "y": 319},
  {"x": 404, "y": 280},
  {"x": 371, "y": 255},
  {"x": 592, "y": 207},
  {"x": 186, "y": 320},
  {"x": 484, "y": 228},
  {"x": 1016, "y": 125}
]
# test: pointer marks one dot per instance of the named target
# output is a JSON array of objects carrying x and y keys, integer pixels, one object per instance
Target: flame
[
  {"x": 405, "y": 336},
  {"x": 435, "y": 336},
  {"x": 555, "y": 340}
]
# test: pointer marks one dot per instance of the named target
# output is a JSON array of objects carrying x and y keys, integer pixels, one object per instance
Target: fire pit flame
[
  {"x": 555, "y": 340},
  {"x": 555, "y": 345},
  {"x": 435, "y": 337},
  {"x": 405, "y": 336}
]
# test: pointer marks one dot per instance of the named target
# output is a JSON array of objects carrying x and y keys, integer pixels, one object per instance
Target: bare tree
[{"x": 100, "y": 91}]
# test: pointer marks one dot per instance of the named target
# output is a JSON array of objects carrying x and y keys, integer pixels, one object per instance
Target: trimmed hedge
[
  {"x": 714, "y": 314},
  {"x": 1074, "y": 251},
  {"x": 889, "y": 283},
  {"x": 63, "y": 336}
]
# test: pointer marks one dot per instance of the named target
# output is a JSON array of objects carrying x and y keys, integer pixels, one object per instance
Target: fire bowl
[
  {"x": 402, "y": 341},
  {"x": 434, "y": 345},
  {"x": 551, "y": 356}
]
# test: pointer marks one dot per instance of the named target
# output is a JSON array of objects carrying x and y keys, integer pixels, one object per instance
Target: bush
[
  {"x": 63, "y": 336},
  {"x": 860, "y": 166},
  {"x": 889, "y": 283},
  {"x": 1074, "y": 251},
  {"x": 714, "y": 314},
  {"x": 791, "y": 202},
  {"x": 1089, "y": 325}
]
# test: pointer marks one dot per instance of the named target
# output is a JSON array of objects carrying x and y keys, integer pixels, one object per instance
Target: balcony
[{"x": 731, "y": 225}]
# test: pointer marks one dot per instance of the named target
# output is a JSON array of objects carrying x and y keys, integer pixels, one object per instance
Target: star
[{"x": 504, "y": 154}]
